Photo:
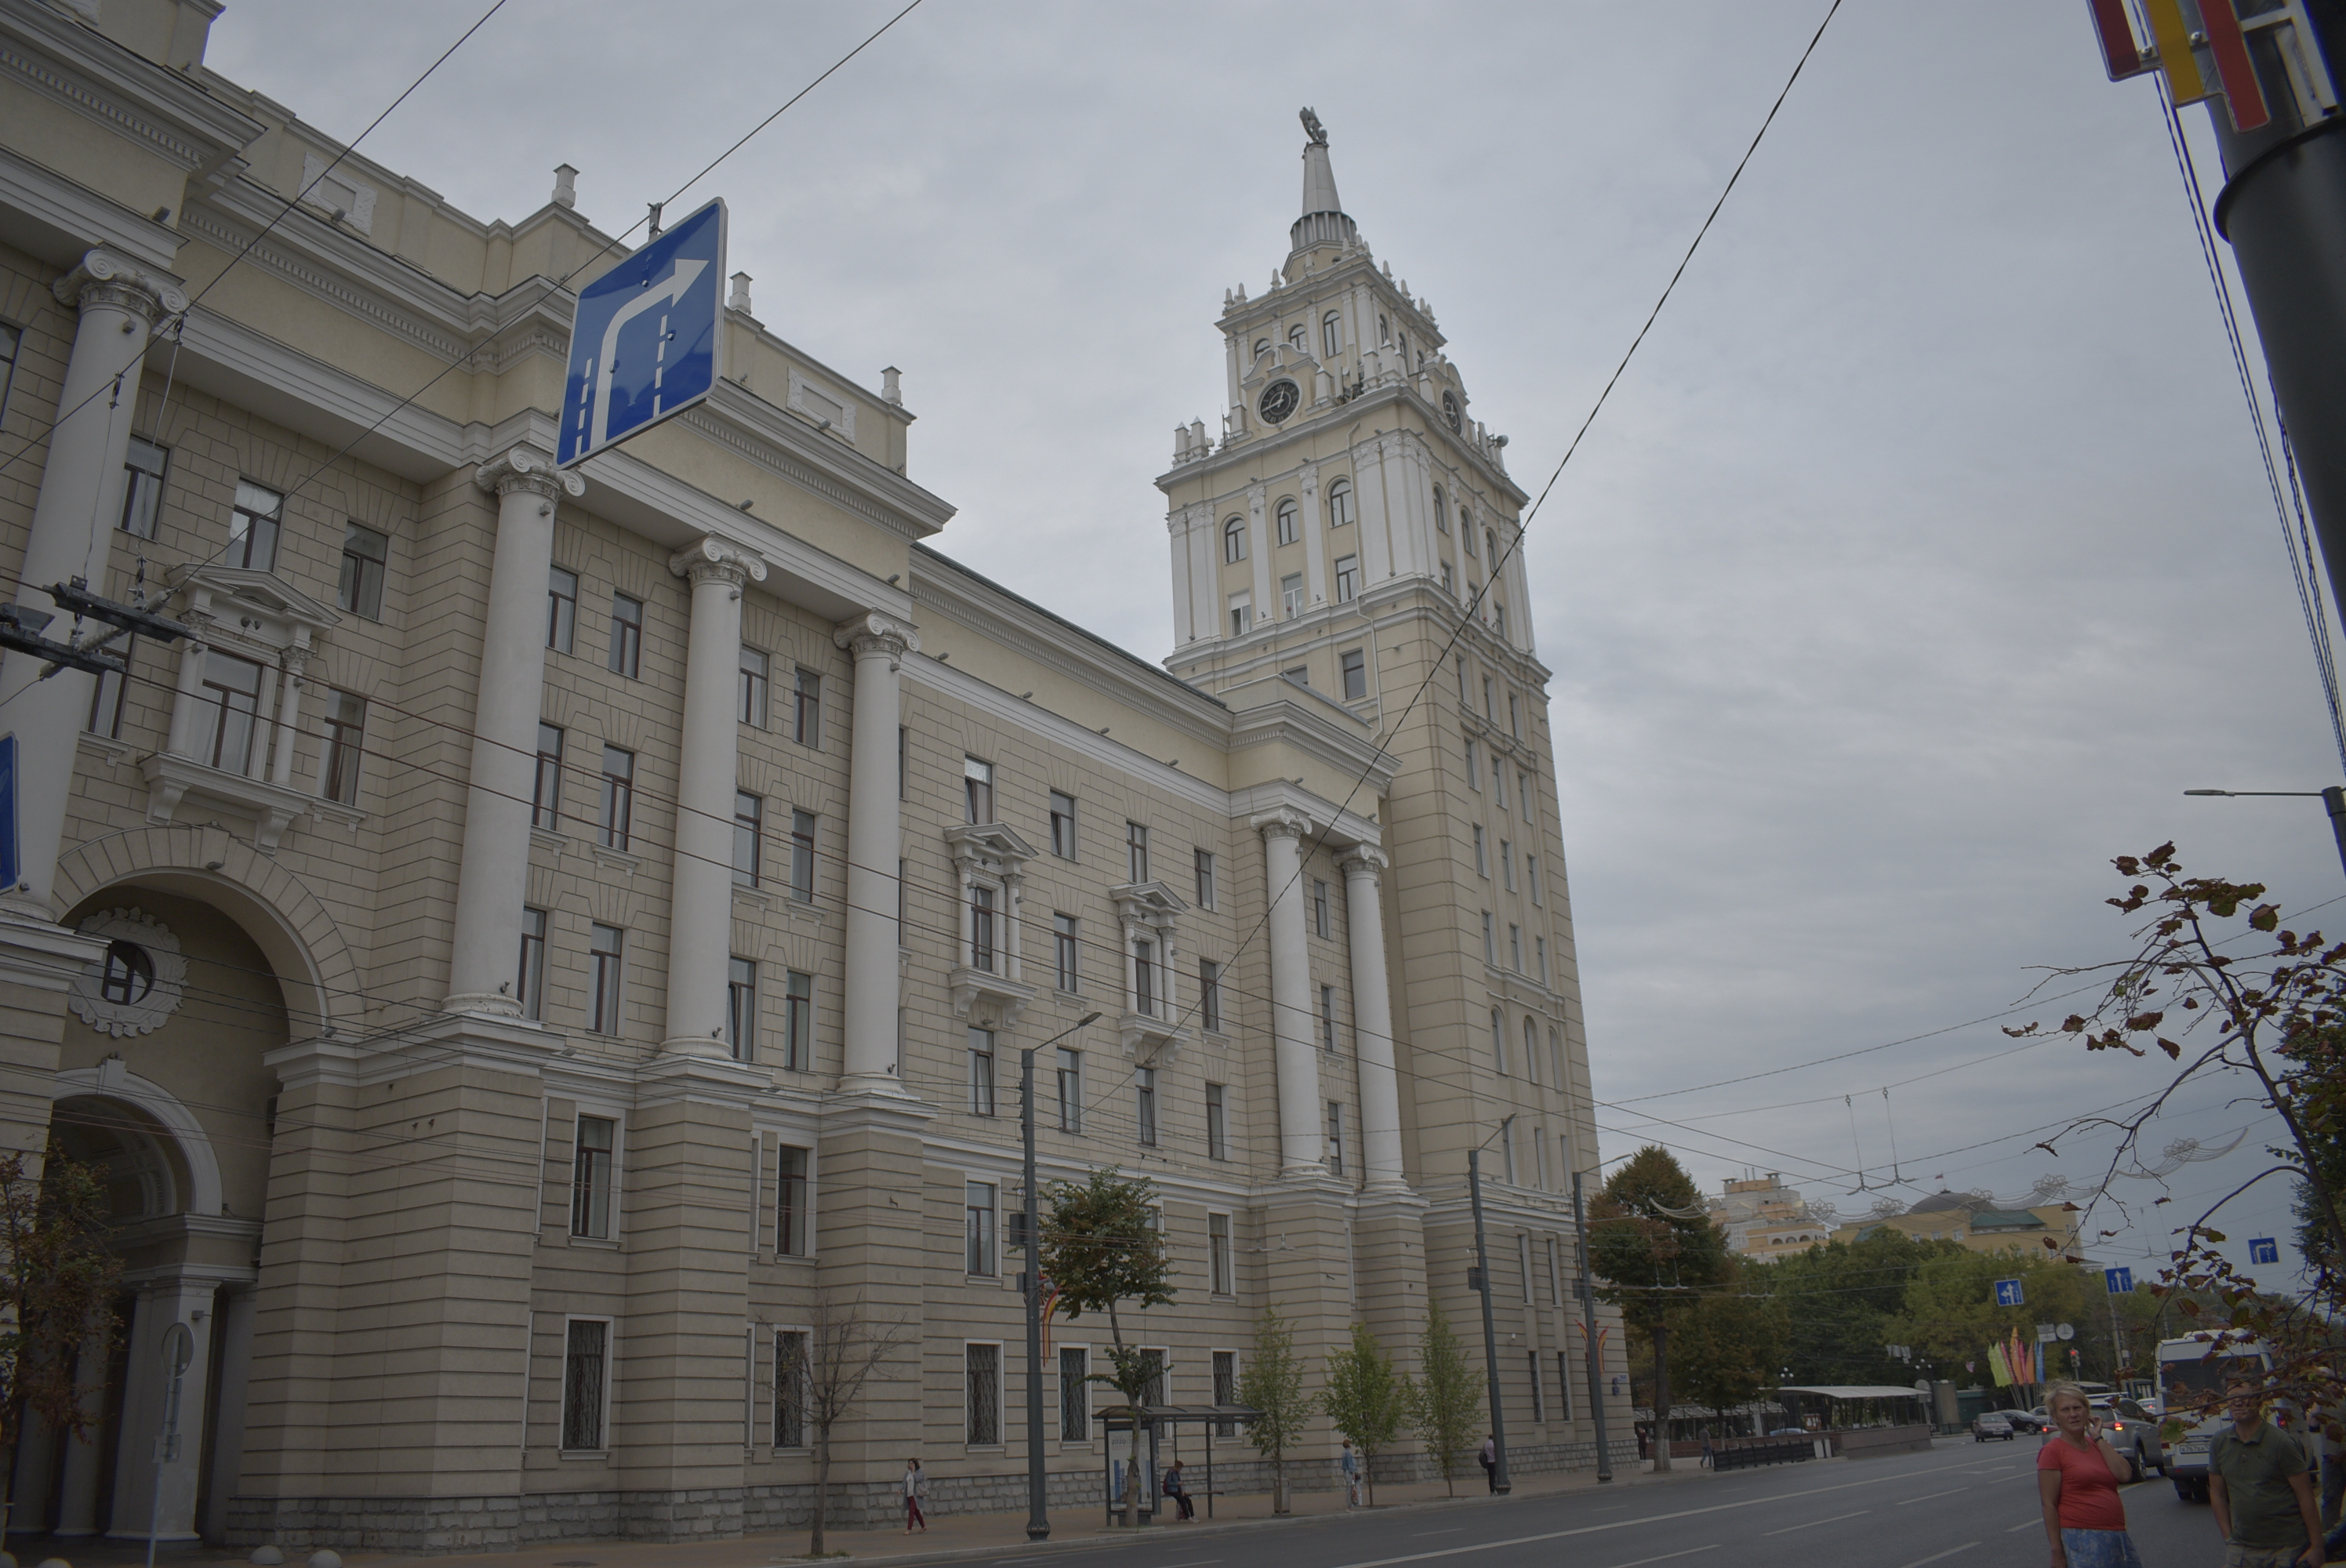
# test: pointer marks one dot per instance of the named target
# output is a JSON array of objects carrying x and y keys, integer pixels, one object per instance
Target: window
[
  {"x": 981, "y": 1082},
  {"x": 1488, "y": 712},
  {"x": 803, "y": 857},
  {"x": 1241, "y": 614},
  {"x": 797, "y": 1021},
  {"x": 618, "y": 795},
  {"x": 1491, "y": 548},
  {"x": 1217, "y": 1123},
  {"x": 806, "y": 708},
  {"x": 1514, "y": 716},
  {"x": 748, "y": 834},
  {"x": 142, "y": 484},
  {"x": 1327, "y": 1018},
  {"x": 561, "y": 609},
  {"x": 627, "y": 636},
  {"x": 1290, "y": 595},
  {"x": 1335, "y": 1138},
  {"x": 1564, "y": 1380},
  {"x": 1539, "y": 947},
  {"x": 1144, "y": 978},
  {"x": 1461, "y": 685},
  {"x": 1555, "y": 1060},
  {"x": 1384, "y": 331},
  {"x": 1297, "y": 336},
  {"x": 592, "y": 1163},
  {"x": 1203, "y": 861},
  {"x": 1136, "y": 852},
  {"x": 1063, "y": 825},
  {"x": 1531, "y": 1050},
  {"x": 253, "y": 527},
  {"x": 977, "y": 1226},
  {"x": 1331, "y": 335},
  {"x": 1499, "y": 783},
  {"x": 1226, "y": 1388},
  {"x": 789, "y": 1388},
  {"x": 1071, "y": 1090},
  {"x": 1490, "y": 942},
  {"x": 1449, "y": 585},
  {"x": 1498, "y": 1041},
  {"x": 1286, "y": 532},
  {"x": 1482, "y": 855},
  {"x": 1524, "y": 794},
  {"x": 977, "y": 788},
  {"x": 341, "y": 725},
  {"x": 982, "y": 1381},
  {"x": 1339, "y": 503},
  {"x": 751, "y": 709},
  {"x": 1262, "y": 347},
  {"x": 1210, "y": 995},
  {"x": 742, "y": 1008},
  {"x": 1067, "y": 952},
  {"x": 1234, "y": 540},
  {"x": 1348, "y": 578},
  {"x": 1075, "y": 1394},
  {"x": 1508, "y": 1150},
  {"x": 981, "y": 928},
  {"x": 105, "y": 696},
  {"x": 793, "y": 1221},
  {"x": 1474, "y": 771},
  {"x": 529, "y": 985},
  {"x": 1144, "y": 1104},
  {"x": 1465, "y": 528},
  {"x": 1507, "y": 863},
  {"x": 1221, "y": 1278},
  {"x": 605, "y": 946},
  {"x": 1354, "y": 664},
  {"x": 1300, "y": 675},
  {"x": 586, "y": 1355},
  {"x": 231, "y": 699},
  {"x": 1441, "y": 513},
  {"x": 903, "y": 776},
  {"x": 1514, "y": 947},
  {"x": 1499, "y": 616},
  {"x": 365, "y": 553},
  {"x": 1539, "y": 1134},
  {"x": 1531, "y": 1358},
  {"x": 545, "y": 794},
  {"x": 1531, "y": 875}
]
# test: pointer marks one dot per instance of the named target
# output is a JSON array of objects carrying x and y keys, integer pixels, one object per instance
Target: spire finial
[
  {"x": 1313, "y": 128},
  {"x": 1322, "y": 221}
]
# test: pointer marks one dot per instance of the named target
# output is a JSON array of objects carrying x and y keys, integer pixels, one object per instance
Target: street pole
[
  {"x": 1499, "y": 1481},
  {"x": 1588, "y": 1331},
  {"x": 1038, "y": 1520},
  {"x": 2333, "y": 800}
]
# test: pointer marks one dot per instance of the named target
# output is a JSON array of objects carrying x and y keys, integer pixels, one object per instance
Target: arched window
[
  {"x": 1287, "y": 522},
  {"x": 1384, "y": 331},
  {"x": 1466, "y": 527},
  {"x": 1331, "y": 334},
  {"x": 1262, "y": 347},
  {"x": 1441, "y": 513},
  {"x": 1499, "y": 616},
  {"x": 1296, "y": 336},
  {"x": 1531, "y": 1050},
  {"x": 1234, "y": 539},
  {"x": 1404, "y": 350},
  {"x": 1491, "y": 545},
  {"x": 1498, "y": 1040},
  {"x": 1339, "y": 503}
]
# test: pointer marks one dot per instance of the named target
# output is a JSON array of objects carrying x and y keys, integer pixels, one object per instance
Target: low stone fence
[{"x": 1868, "y": 1442}]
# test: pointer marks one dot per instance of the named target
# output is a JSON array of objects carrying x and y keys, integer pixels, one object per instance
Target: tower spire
[{"x": 1323, "y": 221}]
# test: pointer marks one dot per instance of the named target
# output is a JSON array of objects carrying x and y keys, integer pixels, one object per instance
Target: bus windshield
[{"x": 2188, "y": 1379}]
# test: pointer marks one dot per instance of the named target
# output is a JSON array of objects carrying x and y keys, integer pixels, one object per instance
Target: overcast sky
[{"x": 1921, "y": 560}]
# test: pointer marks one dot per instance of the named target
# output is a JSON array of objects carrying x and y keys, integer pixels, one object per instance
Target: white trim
[{"x": 110, "y": 1080}]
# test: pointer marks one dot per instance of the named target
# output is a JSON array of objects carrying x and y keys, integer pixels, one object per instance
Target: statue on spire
[{"x": 1313, "y": 128}]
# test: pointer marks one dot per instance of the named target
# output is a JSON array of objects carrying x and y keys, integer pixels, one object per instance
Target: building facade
[
  {"x": 1764, "y": 1219},
  {"x": 1972, "y": 1218},
  {"x": 544, "y": 939}
]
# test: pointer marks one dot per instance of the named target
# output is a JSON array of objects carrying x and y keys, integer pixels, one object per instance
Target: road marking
[
  {"x": 1458, "y": 1529},
  {"x": 1812, "y": 1524},
  {"x": 2025, "y": 1524},
  {"x": 1666, "y": 1556},
  {"x": 1928, "y": 1495},
  {"x": 1934, "y": 1556},
  {"x": 1193, "y": 1562}
]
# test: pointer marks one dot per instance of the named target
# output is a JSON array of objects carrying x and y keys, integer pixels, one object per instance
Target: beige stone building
[
  {"x": 1764, "y": 1219},
  {"x": 2043, "y": 1230},
  {"x": 541, "y": 930}
]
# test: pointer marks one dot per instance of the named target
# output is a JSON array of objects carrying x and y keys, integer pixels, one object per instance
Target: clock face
[
  {"x": 1452, "y": 412},
  {"x": 1279, "y": 401}
]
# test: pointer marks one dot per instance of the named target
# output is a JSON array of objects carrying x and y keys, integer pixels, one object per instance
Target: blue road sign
[
  {"x": 12, "y": 870},
  {"x": 2261, "y": 1249},
  {"x": 2008, "y": 1294},
  {"x": 646, "y": 343},
  {"x": 2119, "y": 1280}
]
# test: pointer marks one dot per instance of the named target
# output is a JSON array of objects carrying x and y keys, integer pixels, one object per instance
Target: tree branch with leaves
[
  {"x": 1103, "y": 1245},
  {"x": 1366, "y": 1399},
  {"x": 57, "y": 1281}
]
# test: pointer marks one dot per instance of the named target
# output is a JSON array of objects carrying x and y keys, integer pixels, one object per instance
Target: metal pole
[
  {"x": 1039, "y": 1522},
  {"x": 1588, "y": 1331},
  {"x": 2333, "y": 800},
  {"x": 1499, "y": 1481}
]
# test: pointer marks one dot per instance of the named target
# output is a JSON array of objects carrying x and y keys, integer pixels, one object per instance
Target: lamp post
[
  {"x": 2333, "y": 800},
  {"x": 1588, "y": 1331},
  {"x": 1499, "y": 1480},
  {"x": 1039, "y": 1521}
]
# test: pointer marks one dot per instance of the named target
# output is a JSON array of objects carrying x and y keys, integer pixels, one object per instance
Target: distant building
[
  {"x": 1763, "y": 1218},
  {"x": 1973, "y": 1219}
]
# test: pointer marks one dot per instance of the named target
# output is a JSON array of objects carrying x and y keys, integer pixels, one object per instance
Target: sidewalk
[{"x": 959, "y": 1536}]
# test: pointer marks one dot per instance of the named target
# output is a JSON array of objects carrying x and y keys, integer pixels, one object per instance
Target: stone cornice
[
  {"x": 787, "y": 445},
  {"x": 158, "y": 109},
  {"x": 1317, "y": 736},
  {"x": 79, "y": 217},
  {"x": 1391, "y": 399}
]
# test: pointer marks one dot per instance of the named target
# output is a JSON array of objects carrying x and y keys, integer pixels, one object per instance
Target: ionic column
[
  {"x": 289, "y": 717},
  {"x": 1298, "y": 1062},
  {"x": 1363, "y": 865},
  {"x": 701, "y": 898},
  {"x": 494, "y": 876},
  {"x": 878, "y": 645},
  {"x": 73, "y": 535}
]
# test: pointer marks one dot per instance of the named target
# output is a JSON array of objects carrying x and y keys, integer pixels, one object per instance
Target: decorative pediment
[
  {"x": 1146, "y": 903},
  {"x": 988, "y": 848},
  {"x": 260, "y": 605}
]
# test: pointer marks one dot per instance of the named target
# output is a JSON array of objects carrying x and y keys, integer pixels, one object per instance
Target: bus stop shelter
[{"x": 1161, "y": 1425}]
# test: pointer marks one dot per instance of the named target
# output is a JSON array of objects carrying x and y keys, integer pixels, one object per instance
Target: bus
[{"x": 2191, "y": 1377}]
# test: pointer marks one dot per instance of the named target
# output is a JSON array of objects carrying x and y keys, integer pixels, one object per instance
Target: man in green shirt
[{"x": 2263, "y": 1496}]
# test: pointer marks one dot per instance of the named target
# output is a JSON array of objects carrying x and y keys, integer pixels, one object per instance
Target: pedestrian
[
  {"x": 1642, "y": 1453},
  {"x": 2259, "y": 1488},
  {"x": 1178, "y": 1491},
  {"x": 1352, "y": 1476},
  {"x": 2078, "y": 1478},
  {"x": 916, "y": 1487},
  {"x": 1490, "y": 1461}
]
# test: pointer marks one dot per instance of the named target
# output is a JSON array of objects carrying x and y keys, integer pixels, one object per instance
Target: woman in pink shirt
[{"x": 2078, "y": 1476}]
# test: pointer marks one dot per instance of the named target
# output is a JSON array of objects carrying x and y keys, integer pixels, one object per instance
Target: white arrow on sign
[{"x": 679, "y": 278}]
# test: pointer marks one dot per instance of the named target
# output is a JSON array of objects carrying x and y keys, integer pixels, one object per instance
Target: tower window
[
  {"x": 1384, "y": 329},
  {"x": 1286, "y": 532},
  {"x": 1356, "y": 675},
  {"x": 1290, "y": 595},
  {"x": 1448, "y": 586},
  {"x": 1491, "y": 547},
  {"x": 1241, "y": 614},
  {"x": 1441, "y": 513},
  {"x": 1339, "y": 503},
  {"x": 1262, "y": 347},
  {"x": 1498, "y": 1039},
  {"x": 1331, "y": 334},
  {"x": 1348, "y": 578},
  {"x": 1467, "y": 529},
  {"x": 1296, "y": 336},
  {"x": 1234, "y": 540}
]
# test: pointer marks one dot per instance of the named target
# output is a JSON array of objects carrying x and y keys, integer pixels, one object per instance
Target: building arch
[{"x": 195, "y": 1171}]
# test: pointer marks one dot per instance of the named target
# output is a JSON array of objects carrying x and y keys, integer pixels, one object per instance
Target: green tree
[
  {"x": 1725, "y": 1352},
  {"x": 1366, "y": 1399},
  {"x": 1447, "y": 1397},
  {"x": 1652, "y": 1242},
  {"x": 58, "y": 1280},
  {"x": 1103, "y": 1245},
  {"x": 1840, "y": 1302},
  {"x": 1272, "y": 1382}
]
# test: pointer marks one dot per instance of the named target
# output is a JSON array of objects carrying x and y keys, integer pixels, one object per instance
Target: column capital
[
  {"x": 872, "y": 632},
  {"x": 1280, "y": 824},
  {"x": 715, "y": 560},
  {"x": 525, "y": 469},
  {"x": 1363, "y": 860},
  {"x": 103, "y": 278}
]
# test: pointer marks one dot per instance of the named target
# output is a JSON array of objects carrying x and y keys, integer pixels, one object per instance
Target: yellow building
[
  {"x": 1765, "y": 1219},
  {"x": 2047, "y": 1231}
]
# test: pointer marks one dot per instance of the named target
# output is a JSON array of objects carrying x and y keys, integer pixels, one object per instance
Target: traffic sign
[
  {"x": 2261, "y": 1249},
  {"x": 2119, "y": 1280},
  {"x": 2066, "y": 1331},
  {"x": 2046, "y": 1333},
  {"x": 646, "y": 341},
  {"x": 2008, "y": 1294}
]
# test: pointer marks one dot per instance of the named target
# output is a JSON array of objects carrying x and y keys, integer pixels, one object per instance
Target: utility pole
[
  {"x": 1588, "y": 1331},
  {"x": 1499, "y": 1481},
  {"x": 1038, "y": 1520}
]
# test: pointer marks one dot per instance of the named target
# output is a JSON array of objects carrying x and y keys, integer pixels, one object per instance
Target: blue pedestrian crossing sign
[
  {"x": 2261, "y": 1249},
  {"x": 2120, "y": 1280},
  {"x": 2008, "y": 1294},
  {"x": 647, "y": 341}
]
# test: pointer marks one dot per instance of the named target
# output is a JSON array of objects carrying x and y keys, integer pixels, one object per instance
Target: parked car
[
  {"x": 2186, "y": 1461},
  {"x": 1992, "y": 1424},
  {"x": 2037, "y": 1420},
  {"x": 2133, "y": 1431}
]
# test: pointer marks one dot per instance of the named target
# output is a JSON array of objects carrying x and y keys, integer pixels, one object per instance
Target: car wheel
[
  {"x": 2183, "y": 1490},
  {"x": 2134, "y": 1466}
]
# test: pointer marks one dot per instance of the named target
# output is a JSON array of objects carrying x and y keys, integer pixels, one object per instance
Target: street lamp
[
  {"x": 1039, "y": 1522},
  {"x": 2333, "y": 800},
  {"x": 1499, "y": 1481}
]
